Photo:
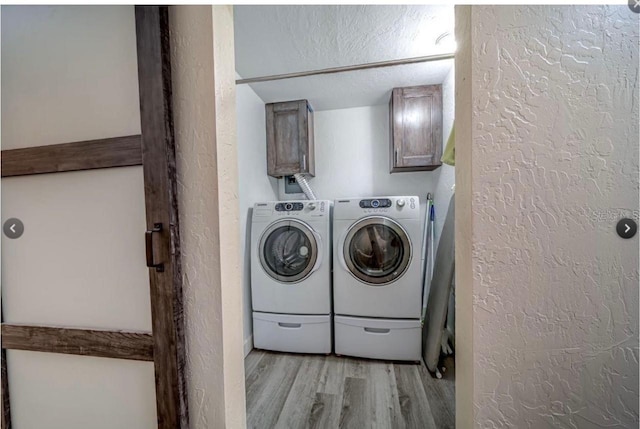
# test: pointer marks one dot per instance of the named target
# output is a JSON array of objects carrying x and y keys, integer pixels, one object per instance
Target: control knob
[
  {"x": 400, "y": 203},
  {"x": 311, "y": 206}
]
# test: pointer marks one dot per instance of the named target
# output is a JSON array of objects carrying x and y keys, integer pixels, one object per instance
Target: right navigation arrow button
[{"x": 626, "y": 228}]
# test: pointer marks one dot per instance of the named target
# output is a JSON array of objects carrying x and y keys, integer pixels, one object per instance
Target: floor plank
[
  {"x": 385, "y": 396},
  {"x": 414, "y": 404},
  {"x": 325, "y": 412},
  {"x": 357, "y": 368},
  {"x": 332, "y": 377},
  {"x": 441, "y": 395},
  {"x": 355, "y": 410},
  {"x": 315, "y": 391},
  {"x": 302, "y": 396},
  {"x": 266, "y": 402},
  {"x": 256, "y": 379},
  {"x": 251, "y": 361}
]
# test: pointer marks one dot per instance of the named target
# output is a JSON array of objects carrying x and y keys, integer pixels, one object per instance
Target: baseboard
[{"x": 248, "y": 345}]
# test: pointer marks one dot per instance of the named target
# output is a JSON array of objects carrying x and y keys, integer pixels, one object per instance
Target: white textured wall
[
  {"x": 463, "y": 223},
  {"x": 253, "y": 183},
  {"x": 205, "y": 125},
  {"x": 554, "y": 163},
  {"x": 339, "y": 35}
]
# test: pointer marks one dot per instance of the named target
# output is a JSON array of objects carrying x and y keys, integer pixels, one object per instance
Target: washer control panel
[
  {"x": 375, "y": 203},
  {"x": 289, "y": 207}
]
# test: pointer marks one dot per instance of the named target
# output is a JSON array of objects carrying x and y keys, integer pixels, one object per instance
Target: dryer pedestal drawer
[
  {"x": 390, "y": 339},
  {"x": 292, "y": 333}
]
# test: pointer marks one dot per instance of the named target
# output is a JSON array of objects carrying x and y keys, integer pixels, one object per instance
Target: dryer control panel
[{"x": 399, "y": 207}]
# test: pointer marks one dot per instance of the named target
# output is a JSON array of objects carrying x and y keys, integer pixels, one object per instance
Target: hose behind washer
[{"x": 304, "y": 185}]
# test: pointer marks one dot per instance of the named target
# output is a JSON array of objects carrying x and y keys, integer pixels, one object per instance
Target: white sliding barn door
[{"x": 70, "y": 74}]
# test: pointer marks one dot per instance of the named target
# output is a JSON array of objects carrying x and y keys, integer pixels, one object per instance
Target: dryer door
[
  {"x": 288, "y": 250},
  {"x": 377, "y": 250}
]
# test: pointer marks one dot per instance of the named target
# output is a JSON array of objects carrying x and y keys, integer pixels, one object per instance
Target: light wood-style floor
[{"x": 312, "y": 391}]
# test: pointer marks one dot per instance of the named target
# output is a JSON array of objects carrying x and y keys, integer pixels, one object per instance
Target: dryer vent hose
[{"x": 304, "y": 185}]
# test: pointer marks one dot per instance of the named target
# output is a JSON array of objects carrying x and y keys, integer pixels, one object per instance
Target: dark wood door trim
[
  {"x": 85, "y": 155},
  {"x": 6, "y": 406},
  {"x": 85, "y": 342},
  {"x": 159, "y": 164}
]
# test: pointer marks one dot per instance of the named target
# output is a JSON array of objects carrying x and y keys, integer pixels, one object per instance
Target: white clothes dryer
[{"x": 377, "y": 277}]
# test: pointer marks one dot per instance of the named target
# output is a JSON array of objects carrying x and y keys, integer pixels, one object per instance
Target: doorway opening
[{"x": 350, "y": 323}]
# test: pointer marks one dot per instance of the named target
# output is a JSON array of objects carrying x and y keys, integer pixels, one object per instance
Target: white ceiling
[{"x": 283, "y": 39}]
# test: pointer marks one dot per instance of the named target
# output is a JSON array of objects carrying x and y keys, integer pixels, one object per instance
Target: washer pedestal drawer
[
  {"x": 292, "y": 333},
  {"x": 389, "y": 339}
]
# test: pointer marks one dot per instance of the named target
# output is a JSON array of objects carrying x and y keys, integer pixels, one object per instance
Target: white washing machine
[
  {"x": 291, "y": 276},
  {"x": 377, "y": 277}
]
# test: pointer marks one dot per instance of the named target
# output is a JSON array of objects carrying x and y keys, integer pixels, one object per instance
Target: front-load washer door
[
  {"x": 288, "y": 250},
  {"x": 377, "y": 250}
]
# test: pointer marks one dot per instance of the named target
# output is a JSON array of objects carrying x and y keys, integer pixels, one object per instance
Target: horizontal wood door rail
[
  {"x": 85, "y": 342},
  {"x": 84, "y": 155}
]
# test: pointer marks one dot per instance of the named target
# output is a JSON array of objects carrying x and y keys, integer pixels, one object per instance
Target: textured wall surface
[
  {"x": 554, "y": 152},
  {"x": 205, "y": 124},
  {"x": 228, "y": 206},
  {"x": 253, "y": 185},
  {"x": 463, "y": 224},
  {"x": 310, "y": 37}
]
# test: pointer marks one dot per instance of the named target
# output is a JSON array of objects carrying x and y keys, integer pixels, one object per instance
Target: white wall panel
[
  {"x": 69, "y": 73},
  {"x": 81, "y": 259},
  {"x": 56, "y": 391}
]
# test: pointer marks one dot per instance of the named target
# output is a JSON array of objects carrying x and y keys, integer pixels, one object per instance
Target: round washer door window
[
  {"x": 377, "y": 250},
  {"x": 288, "y": 250}
]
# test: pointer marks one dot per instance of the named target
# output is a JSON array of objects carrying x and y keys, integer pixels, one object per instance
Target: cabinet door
[
  {"x": 416, "y": 128},
  {"x": 288, "y": 138}
]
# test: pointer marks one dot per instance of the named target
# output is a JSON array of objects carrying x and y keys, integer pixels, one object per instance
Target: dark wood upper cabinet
[
  {"x": 290, "y": 138},
  {"x": 415, "y": 128}
]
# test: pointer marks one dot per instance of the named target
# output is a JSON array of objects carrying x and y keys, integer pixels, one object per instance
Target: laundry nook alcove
[{"x": 344, "y": 195}]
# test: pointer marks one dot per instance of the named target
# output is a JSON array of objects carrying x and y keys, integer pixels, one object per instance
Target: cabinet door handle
[
  {"x": 304, "y": 163},
  {"x": 148, "y": 236},
  {"x": 396, "y": 152}
]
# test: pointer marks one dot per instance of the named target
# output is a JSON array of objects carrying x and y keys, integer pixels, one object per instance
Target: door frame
[{"x": 154, "y": 149}]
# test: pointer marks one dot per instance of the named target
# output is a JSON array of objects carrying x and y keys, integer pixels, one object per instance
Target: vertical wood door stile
[{"x": 158, "y": 159}]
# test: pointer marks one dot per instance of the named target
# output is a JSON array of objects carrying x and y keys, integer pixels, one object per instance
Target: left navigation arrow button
[{"x": 13, "y": 228}]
